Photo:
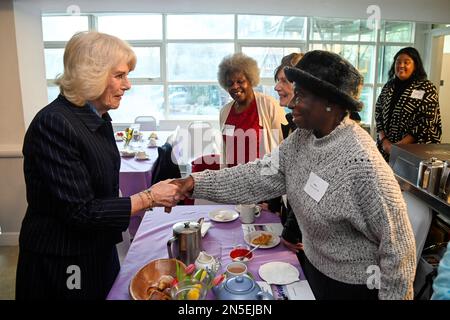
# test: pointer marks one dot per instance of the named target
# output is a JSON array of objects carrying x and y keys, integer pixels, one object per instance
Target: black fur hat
[{"x": 330, "y": 76}]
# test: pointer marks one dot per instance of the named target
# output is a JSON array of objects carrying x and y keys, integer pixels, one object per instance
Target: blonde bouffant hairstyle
[
  {"x": 89, "y": 58},
  {"x": 238, "y": 62}
]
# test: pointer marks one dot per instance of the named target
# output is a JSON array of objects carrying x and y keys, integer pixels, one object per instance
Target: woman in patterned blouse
[{"x": 407, "y": 110}]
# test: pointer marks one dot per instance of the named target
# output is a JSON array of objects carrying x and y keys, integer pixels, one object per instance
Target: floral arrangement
[
  {"x": 197, "y": 282},
  {"x": 128, "y": 136}
]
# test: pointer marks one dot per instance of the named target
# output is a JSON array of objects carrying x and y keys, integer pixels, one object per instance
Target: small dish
[
  {"x": 279, "y": 273},
  {"x": 127, "y": 153},
  {"x": 241, "y": 254},
  {"x": 141, "y": 158},
  {"x": 264, "y": 239},
  {"x": 223, "y": 215},
  {"x": 119, "y": 136}
]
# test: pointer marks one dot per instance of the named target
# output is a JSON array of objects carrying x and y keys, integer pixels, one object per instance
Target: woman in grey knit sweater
[{"x": 358, "y": 241}]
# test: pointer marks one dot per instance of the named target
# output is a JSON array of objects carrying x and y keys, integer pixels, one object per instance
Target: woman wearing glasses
[{"x": 357, "y": 238}]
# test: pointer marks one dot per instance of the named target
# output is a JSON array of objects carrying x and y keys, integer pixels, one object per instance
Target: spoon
[{"x": 242, "y": 258}]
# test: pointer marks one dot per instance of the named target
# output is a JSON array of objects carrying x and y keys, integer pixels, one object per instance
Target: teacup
[
  {"x": 248, "y": 212},
  {"x": 236, "y": 268},
  {"x": 152, "y": 142}
]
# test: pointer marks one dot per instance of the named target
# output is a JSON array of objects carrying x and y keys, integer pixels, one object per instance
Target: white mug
[{"x": 248, "y": 212}]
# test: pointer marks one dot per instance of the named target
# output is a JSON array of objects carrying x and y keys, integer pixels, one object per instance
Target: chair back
[
  {"x": 197, "y": 138},
  {"x": 206, "y": 162},
  {"x": 420, "y": 216},
  {"x": 148, "y": 123},
  {"x": 120, "y": 126}
]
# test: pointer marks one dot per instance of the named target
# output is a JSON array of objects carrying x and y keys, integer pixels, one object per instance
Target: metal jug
[
  {"x": 186, "y": 243},
  {"x": 444, "y": 188},
  {"x": 430, "y": 175}
]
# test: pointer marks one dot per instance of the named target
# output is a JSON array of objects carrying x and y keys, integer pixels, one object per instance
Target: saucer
[
  {"x": 141, "y": 158},
  {"x": 127, "y": 153}
]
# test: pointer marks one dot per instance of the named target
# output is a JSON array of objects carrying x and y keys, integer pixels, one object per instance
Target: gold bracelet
[
  {"x": 148, "y": 193},
  {"x": 142, "y": 199}
]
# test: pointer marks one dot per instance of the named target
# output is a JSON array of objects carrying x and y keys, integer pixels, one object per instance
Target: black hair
[{"x": 419, "y": 72}]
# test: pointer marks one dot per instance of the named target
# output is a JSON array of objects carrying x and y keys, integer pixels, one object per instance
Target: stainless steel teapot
[
  {"x": 186, "y": 243},
  {"x": 430, "y": 175},
  {"x": 444, "y": 188}
]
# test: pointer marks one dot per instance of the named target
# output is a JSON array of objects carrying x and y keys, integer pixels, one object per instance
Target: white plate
[
  {"x": 254, "y": 234},
  {"x": 280, "y": 273},
  {"x": 223, "y": 215}
]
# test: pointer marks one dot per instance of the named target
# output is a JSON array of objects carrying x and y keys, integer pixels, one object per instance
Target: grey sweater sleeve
[
  {"x": 387, "y": 218},
  {"x": 248, "y": 183}
]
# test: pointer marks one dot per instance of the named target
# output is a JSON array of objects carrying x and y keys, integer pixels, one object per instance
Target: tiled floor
[{"x": 8, "y": 264}]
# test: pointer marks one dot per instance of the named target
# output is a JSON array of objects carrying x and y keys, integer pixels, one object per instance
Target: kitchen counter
[{"x": 434, "y": 202}]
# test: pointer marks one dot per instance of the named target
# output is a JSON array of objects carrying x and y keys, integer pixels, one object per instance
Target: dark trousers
[
  {"x": 44, "y": 277},
  {"x": 325, "y": 288}
]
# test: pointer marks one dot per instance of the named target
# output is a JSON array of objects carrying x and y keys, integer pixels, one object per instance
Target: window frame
[{"x": 374, "y": 84}]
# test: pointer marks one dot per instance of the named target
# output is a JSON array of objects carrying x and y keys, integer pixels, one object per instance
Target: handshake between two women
[{"x": 165, "y": 194}]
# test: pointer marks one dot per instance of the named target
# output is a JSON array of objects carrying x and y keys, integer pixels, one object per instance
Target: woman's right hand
[{"x": 294, "y": 247}]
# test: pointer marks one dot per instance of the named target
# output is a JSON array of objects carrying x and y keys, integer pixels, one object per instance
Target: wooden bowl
[{"x": 151, "y": 273}]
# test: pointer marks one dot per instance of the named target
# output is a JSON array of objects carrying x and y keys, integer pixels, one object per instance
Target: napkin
[{"x": 205, "y": 228}]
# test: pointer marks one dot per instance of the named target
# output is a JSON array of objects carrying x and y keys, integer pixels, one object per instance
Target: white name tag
[
  {"x": 315, "y": 186},
  {"x": 228, "y": 130},
  {"x": 417, "y": 94}
]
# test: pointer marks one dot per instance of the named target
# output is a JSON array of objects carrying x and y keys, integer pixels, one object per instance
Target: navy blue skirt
[{"x": 86, "y": 277}]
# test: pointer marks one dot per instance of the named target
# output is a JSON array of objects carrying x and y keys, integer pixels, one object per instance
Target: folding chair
[{"x": 148, "y": 123}]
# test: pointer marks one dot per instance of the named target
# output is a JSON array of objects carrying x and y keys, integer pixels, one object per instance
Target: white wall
[
  {"x": 444, "y": 95},
  {"x": 12, "y": 185},
  {"x": 436, "y": 11}
]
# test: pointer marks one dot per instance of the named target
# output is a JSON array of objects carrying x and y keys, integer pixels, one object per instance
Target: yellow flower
[{"x": 193, "y": 294}]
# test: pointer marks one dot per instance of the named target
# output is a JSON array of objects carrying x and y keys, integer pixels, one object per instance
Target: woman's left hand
[{"x": 387, "y": 146}]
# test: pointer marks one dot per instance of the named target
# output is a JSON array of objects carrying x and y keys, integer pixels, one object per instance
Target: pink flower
[
  {"x": 218, "y": 279},
  {"x": 190, "y": 268}
]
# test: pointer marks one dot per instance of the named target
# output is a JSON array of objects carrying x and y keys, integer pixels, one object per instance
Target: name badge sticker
[
  {"x": 228, "y": 130},
  {"x": 417, "y": 94},
  {"x": 315, "y": 186}
]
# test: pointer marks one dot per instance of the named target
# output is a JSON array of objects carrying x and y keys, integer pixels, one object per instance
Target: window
[{"x": 178, "y": 54}]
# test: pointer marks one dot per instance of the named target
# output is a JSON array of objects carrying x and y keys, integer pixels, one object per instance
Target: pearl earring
[{"x": 328, "y": 109}]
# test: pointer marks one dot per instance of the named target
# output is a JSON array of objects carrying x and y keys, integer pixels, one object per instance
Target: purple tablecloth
[
  {"x": 156, "y": 228},
  {"x": 136, "y": 175}
]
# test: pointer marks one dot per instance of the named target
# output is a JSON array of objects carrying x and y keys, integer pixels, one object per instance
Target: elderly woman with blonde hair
[
  {"x": 75, "y": 216},
  {"x": 251, "y": 122}
]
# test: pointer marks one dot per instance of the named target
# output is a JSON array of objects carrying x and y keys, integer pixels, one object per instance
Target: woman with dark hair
[{"x": 407, "y": 110}]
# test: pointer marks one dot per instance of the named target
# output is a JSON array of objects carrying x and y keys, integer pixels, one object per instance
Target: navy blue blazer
[{"x": 71, "y": 167}]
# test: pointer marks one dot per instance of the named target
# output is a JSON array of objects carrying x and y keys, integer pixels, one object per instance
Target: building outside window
[{"x": 178, "y": 55}]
